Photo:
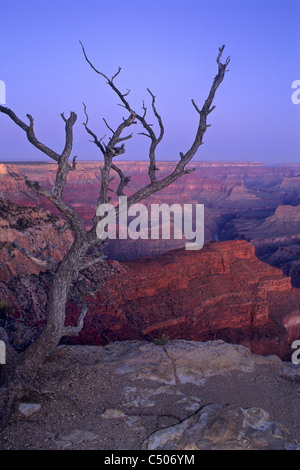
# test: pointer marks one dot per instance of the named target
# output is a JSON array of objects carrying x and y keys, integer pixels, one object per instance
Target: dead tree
[{"x": 21, "y": 370}]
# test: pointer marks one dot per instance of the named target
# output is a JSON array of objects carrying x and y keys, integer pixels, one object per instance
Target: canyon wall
[
  {"x": 234, "y": 193},
  {"x": 222, "y": 291}
]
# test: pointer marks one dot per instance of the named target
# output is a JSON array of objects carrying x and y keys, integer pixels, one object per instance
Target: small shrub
[{"x": 162, "y": 340}]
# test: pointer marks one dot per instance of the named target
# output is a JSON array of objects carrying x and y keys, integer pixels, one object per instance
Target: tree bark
[{"x": 30, "y": 360}]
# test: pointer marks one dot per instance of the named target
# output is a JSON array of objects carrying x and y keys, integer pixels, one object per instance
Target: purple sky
[{"x": 169, "y": 46}]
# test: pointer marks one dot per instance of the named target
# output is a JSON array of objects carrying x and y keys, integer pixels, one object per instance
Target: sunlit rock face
[{"x": 220, "y": 292}]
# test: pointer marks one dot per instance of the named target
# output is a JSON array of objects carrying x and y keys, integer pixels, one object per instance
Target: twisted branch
[
  {"x": 30, "y": 133},
  {"x": 180, "y": 168}
]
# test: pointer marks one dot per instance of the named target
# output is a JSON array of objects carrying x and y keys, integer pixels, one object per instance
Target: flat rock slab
[
  {"x": 183, "y": 362},
  {"x": 217, "y": 427}
]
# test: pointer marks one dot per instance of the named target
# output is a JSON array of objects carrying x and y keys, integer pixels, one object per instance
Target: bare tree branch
[
  {"x": 63, "y": 166},
  {"x": 180, "y": 168},
  {"x": 124, "y": 180},
  {"x": 30, "y": 133},
  {"x": 154, "y": 140},
  {"x": 89, "y": 261},
  {"x": 110, "y": 151},
  {"x": 61, "y": 228},
  {"x": 75, "y": 221},
  {"x": 7, "y": 247},
  {"x": 96, "y": 140},
  {"x": 63, "y": 162},
  {"x": 108, "y": 127},
  {"x": 75, "y": 330},
  {"x": 94, "y": 68},
  {"x": 49, "y": 264},
  {"x": 78, "y": 258},
  {"x": 116, "y": 74}
]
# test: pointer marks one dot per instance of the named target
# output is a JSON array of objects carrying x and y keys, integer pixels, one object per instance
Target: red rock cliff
[{"x": 222, "y": 291}]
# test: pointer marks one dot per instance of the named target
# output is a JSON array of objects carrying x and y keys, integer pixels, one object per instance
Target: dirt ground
[{"x": 100, "y": 398}]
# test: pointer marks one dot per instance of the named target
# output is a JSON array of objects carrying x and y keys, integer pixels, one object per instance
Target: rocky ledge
[{"x": 179, "y": 395}]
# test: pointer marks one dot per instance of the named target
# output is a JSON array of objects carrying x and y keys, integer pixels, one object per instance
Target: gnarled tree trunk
[{"x": 16, "y": 377}]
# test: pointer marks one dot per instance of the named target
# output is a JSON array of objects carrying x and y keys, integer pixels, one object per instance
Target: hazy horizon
[{"x": 197, "y": 162}]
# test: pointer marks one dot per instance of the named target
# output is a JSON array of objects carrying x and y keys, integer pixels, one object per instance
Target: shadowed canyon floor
[{"x": 181, "y": 395}]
